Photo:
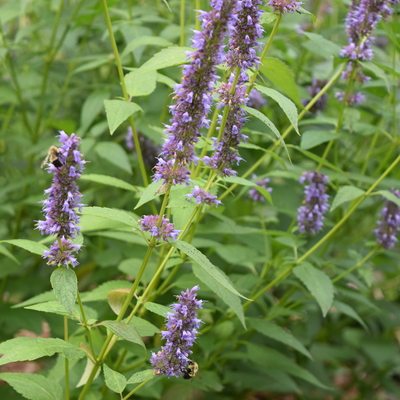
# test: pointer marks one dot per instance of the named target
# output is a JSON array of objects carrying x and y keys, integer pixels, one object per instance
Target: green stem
[
  {"x": 182, "y": 24},
  {"x": 85, "y": 324},
  {"x": 134, "y": 390},
  {"x": 125, "y": 92},
  {"x": 66, "y": 362},
  {"x": 197, "y": 7}
]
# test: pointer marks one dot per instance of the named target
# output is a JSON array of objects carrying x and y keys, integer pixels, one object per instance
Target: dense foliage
[{"x": 221, "y": 193}]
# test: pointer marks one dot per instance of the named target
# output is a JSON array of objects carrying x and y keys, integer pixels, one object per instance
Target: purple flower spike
[
  {"x": 285, "y": 6},
  {"x": 255, "y": 194},
  {"x": 194, "y": 95},
  {"x": 63, "y": 200},
  {"x": 390, "y": 224},
  {"x": 166, "y": 230},
  {"x": 311, "y": 216},
  {"x": 314, "y": 89},
  {"x": 202, "y": 197},
  {"x": 182, "y": 329},
  {"x": 170, "y": 173}
]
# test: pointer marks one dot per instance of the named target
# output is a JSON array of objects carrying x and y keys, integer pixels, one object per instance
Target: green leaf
[
  {"x": 116, "y": 299},
  {"x": 109, "y": 181},
  {"x": 305, "y": 12},
  {"x": 318, "y": 284},
  {"x": 157, "y": 309},
  {"x": 282, "y": 76},
  {"x": 28, "y": 349},
  {"x": 33, "y": 387},
  {"x": 224, "y": 294},
  {"x": 205, "y": 263},
  {"x": 321, "y": 46},
  {"x": 166, "y": 58},
  {"x": 118, "y": 111},
  {"x": 141, "y": 376},
  {"x": 150, "y": 193},
  {"x": 114, "y": 154},
  {"x": 141, "y": 83},
  {"x": 272, "y": 359},
  {"x": 30, "y": 245},
  {"x": 310, "y": 139},
  {"x": 269, "y": 123},
  {"x": 112, "y": 214},
  {"x": 114, "y": 380},
  {"x": 166, "y": 80},
  {"x": 267, "y": 18},
  {"x": 287, "y": 105},
  {"x": 54, "y": 307},
  {"x": 349, "y": 311},
  {"x": 91, "y": 108},
  {"x": 345, "y": 194},
  {"x": 271, "y": 153},
  {"x": 144, "y": 328},
  {"x": 377, "y": 71},
  {"x": 389, "y": 196},
  {"x": 124, "y": 331},
  {"x": 8, "y": 254},
  {"x": 100, "y": 293},
  {"x": 65, "y": 285},
  {"x": 145, "y": 41},
  {"x": 40, "y": 298},
  {"x": 276, "y": 332}
]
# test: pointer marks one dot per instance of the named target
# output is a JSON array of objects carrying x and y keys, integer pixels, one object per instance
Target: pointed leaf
[
  {"x": 145, "y": 41},
  {"x": 318, "y": 284},
  {"x": 118, "y": 111},
  {"x": 345, "y": 194},
  {"x": 87, "y": 372},
  {"x": 116, "y": 299},
  {"x": 114, "y": 380},
  {"x": 112, "y": 214},
  {"x": 350, "y": 312},
  {"x": 114, "y": 154},
  {"x": 124, "y": 331},
  {"x": 321, "y": 46},
  {"x": 65, "y": 285},
  {"x": 141, "y": 83},
  {"x": 30, "y": 245},
  {"x": 157, "y": 309},
  {"x": 109, "y": 180},
  {"x": 141, "y": 376},
  {"x": 310, "y": 139},
  {"x": 390, "y": 196}
]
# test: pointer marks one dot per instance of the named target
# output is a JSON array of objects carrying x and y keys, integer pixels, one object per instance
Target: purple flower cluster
[
  {"x": 63, "y": 200},
  {"x": 194, "y": 94},
  {"x": 225, "y": 151},
  {"x": 361, "y": 21},
  {"x": 182, "y": 329},
  {"x": 311, "y": 215},
  {"x": 171, "y": 172},
  {"x": 245, "y": 34},
  {"x": 166, "y": 230},
  {"x": 203, "y": 197},
  {"x": 390, "y": 224},
  {"x": 255, "y": 194},
  {"x": 314, "y": 89},
  {"x": 285, "y": 6},
  {"x": 256, "y": 99}
]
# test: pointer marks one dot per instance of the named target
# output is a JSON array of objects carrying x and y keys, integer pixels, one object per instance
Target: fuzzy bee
[
  {"x": 52, "y": 157},
  {"x": 191, "y": 370}
]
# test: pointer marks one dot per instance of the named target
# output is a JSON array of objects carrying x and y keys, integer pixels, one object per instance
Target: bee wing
[{"x": 45, "y": 161}]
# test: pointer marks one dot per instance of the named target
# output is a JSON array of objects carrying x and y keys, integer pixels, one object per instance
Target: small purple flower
[
  {"x": 285, "y": 6},
  {"x": 352, "y": 99},
  {"x": 314, "y": 89},
  {"x": 149, "y": 224},
  {"x": 311, "y": 215},
  {"x": 63, "y": 200},
  {"x": 255, "y": 194},
  {"x": 170, "y": 173},
  {"x": 129, "y": 139},
  {"x": 390, "y": 224},
  {"x": 256, "y": 99},
  {"x": 182, "y": 329},
  {"x": 202, "y": 197}
]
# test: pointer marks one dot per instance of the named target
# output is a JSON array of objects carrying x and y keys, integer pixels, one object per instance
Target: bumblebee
[
  {"x": 191, "y": 370},
  {"x": 52, "y": 156}
]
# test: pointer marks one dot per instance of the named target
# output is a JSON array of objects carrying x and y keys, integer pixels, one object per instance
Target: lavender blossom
[
  {"x": 63, "y": 200},
  {"x": 129, "y": 139},
  {"x": 285, "y": 6},
  {"x": 254, "y": 193},
  {"x": 361, "y": 21},
  {"x": 194, "y": 94},
  {"x": 202, "y": 197},
  {"x": 256, "y": 99},
  {"x": 390, "y": 224},
  {"x": 314, "y": 89},
  {"x": 311, "y": 215},
  {"x": 182, "y": 329},
  {"x": 167, "y": 171},
  {"x": 166, "y": 230}
]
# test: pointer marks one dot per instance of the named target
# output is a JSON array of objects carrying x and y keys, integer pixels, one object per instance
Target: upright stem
[
  {"x": 182, "y": 24},
  {"x": 125, "y": 93},
  {"x": 89, "y": 336},
  {"x": 66, "y": 362}
]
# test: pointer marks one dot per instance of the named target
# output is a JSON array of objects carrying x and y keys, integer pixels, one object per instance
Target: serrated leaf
[
  {"x": 276, "y": 332},
  {"x": 30, "y": 245},
  {"x": 145, "y": 41},
  {"x": 166, "y": 58},
  {"x": 157, "y": 309},
  {"x": 224, "y": 294},
  {"x": 114, "y": 380},
  {"x": 150, "y": 193},
  {"x": 318, "y": 284},
  {"x": 287, "y": 105},
  {"x": 310, "y": 139},
  {"x": 118, "y": 111},
  {"x": 141, "y": 376},
  {"x": 350, "y": 312},
  {"x": 33, "y": 387},
  {"x": 321, "y": 46},
  {"x": 345, "y": 194},
  {"x": 269, "y": 123},
  {"x": 124, "y": 331},
  {"x": 112, "y": 214},
  {"x": 140, "y": 83},
  {"x": 206, "y": 264},
  {"x": 65, "y": 285},
  {"x": 27, "y": 349},
  {"x": 114, "y": 154},
  {"x": 109, "y": 181},
  {"x": 280, "y": 75},
  {"x": 116, "y": 299}
]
